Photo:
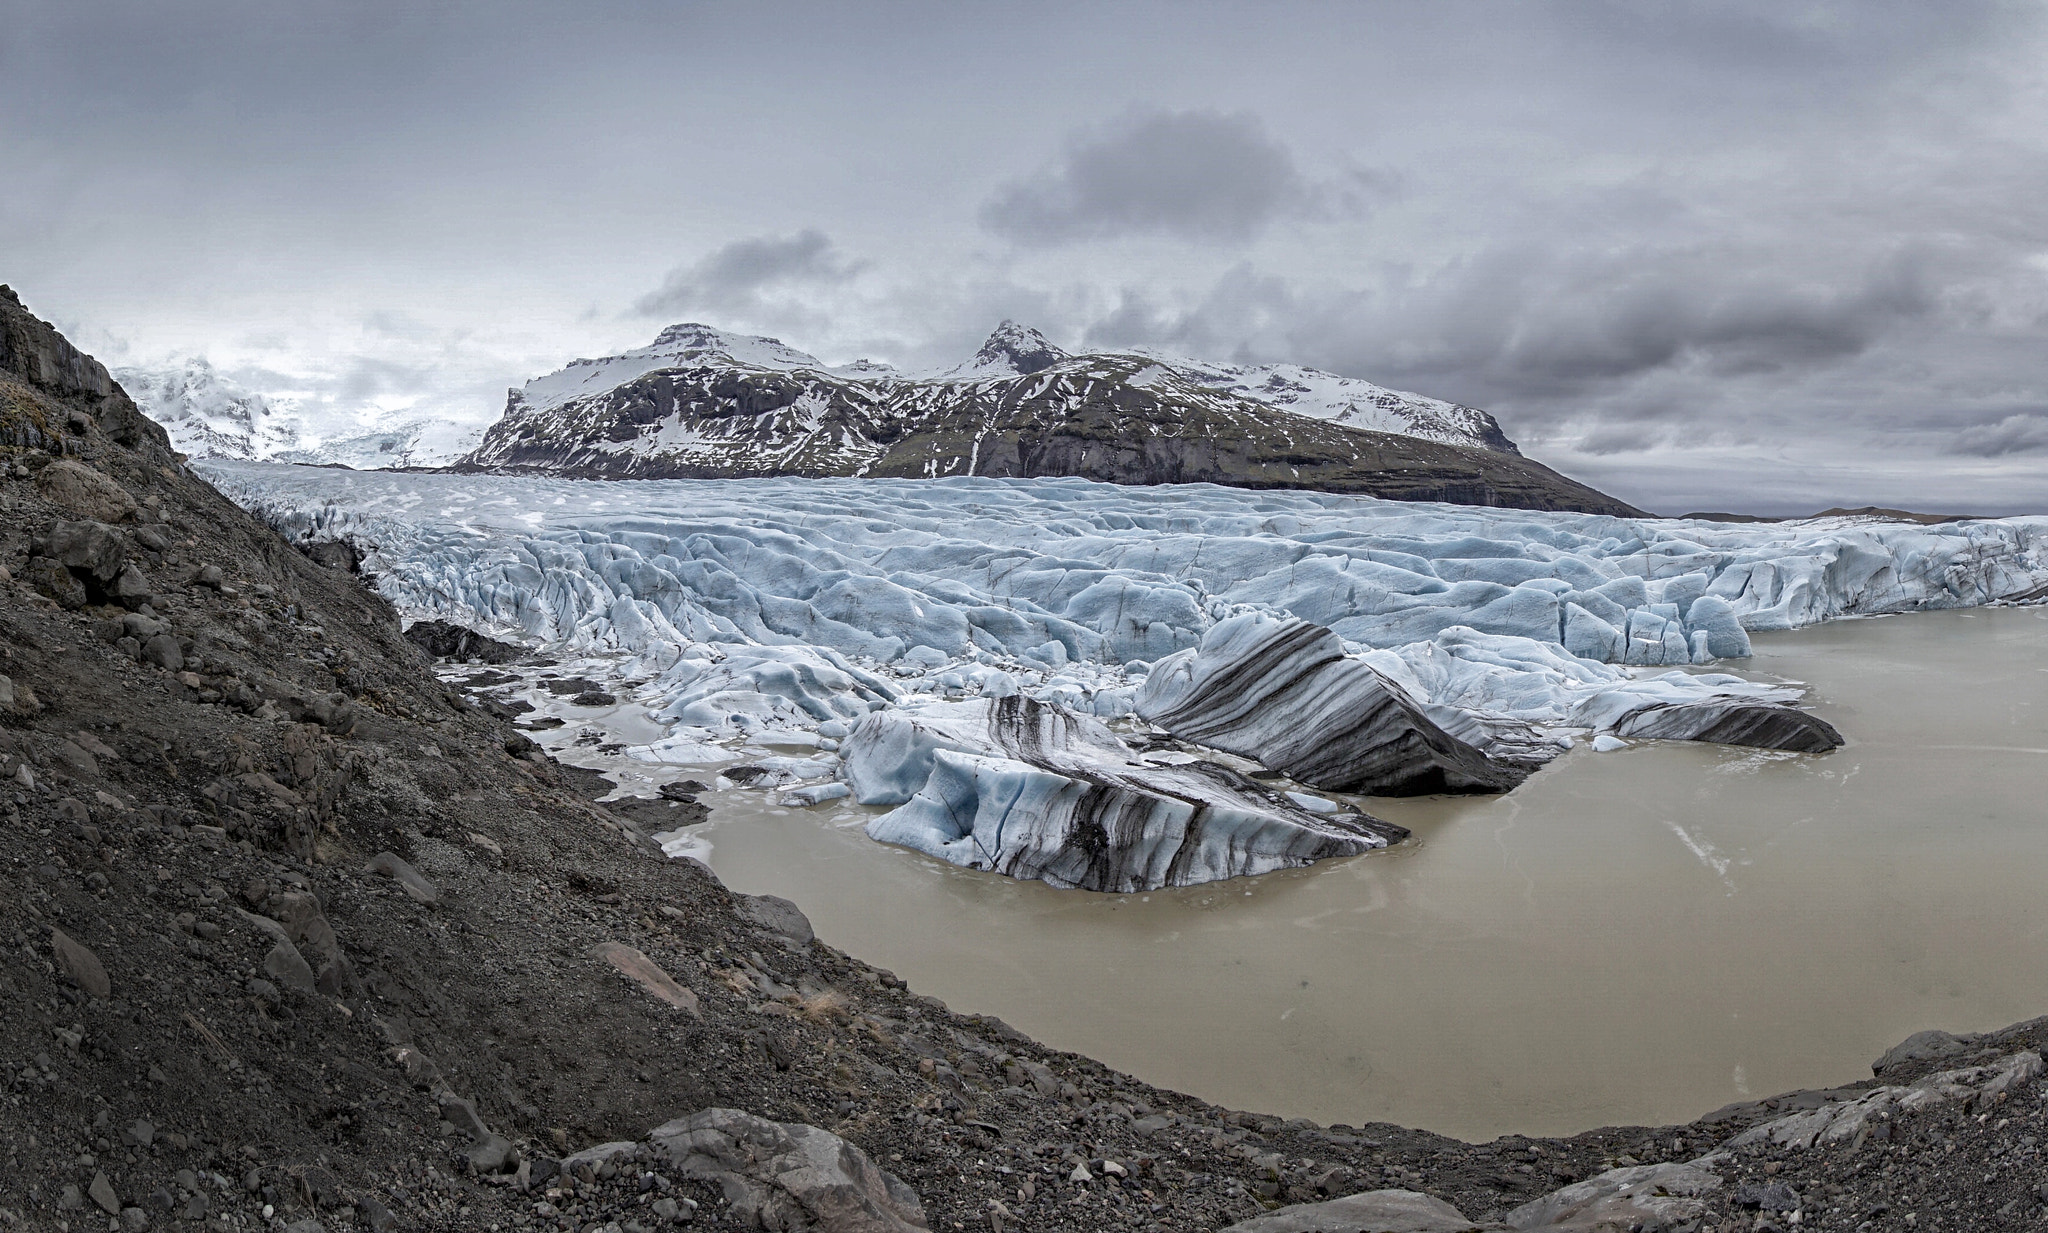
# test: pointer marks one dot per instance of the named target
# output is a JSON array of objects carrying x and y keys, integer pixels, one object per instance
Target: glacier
[
  {"x": 739, "y": 614},
  {"x": 210, "y": 414},
  {"x": 1033, "y": 790}
]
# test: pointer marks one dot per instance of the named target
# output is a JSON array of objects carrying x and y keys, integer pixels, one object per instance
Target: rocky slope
[
  {"x": 702, "y": 404},
  {"x": 294, "y": 938}
]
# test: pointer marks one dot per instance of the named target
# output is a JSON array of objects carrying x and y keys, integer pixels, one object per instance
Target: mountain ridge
[{"x": 703, "y": 403}]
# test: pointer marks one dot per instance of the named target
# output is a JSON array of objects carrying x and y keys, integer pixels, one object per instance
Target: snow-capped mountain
[
  {"x": 703, "y": 403},
  {"x": 211, "y": 415}
]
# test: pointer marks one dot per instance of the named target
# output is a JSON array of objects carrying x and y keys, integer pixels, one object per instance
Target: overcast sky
[{"x": 1765, "y": 257}]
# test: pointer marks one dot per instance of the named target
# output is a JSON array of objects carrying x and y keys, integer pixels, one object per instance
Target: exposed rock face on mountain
[
  {"x": 700, "y": 404},
  {"x": 1033, "y": 790},
  {"x": 1283, "y": 692}
]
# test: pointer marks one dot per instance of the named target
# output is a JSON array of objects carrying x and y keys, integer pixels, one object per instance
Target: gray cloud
[
  {"x": 1203, "y": 175},
  {"x": 2024, "y": 432},
  {"x": 735, "y": 277},
  {"x": 1717, "y": 252}
]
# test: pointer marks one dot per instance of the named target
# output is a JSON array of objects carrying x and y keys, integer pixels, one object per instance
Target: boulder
[
  {"x": 443, "y": 640},
  {"x": 786, "y": 1175},
  {"x": 90, "y": 549},
  {"x": 75, "y": 761},
  {"x": 76, "y": 960},
  {"x": 131, "y": 589},
  {"x": 1658, "y": 1196},
  {"x": 333, "y": 712},
  {"x": 1375, "y": 1211},
  {"x": 334, "y": 554},
  {"x": 51, "y": 579},
  {"x": 285, "y": 965},
  {"x": 163, "y": 651},
  {"x": 1283, "y": 692},
  {"x": 1925, "y": 1046},
  {"x": 777, "y": 915},
  {"x": 79, "y": 489}
]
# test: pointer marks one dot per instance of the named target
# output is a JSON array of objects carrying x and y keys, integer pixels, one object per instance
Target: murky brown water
[{"x": 1633, "y": 937}]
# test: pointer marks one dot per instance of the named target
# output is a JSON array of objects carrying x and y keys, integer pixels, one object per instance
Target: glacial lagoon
[{"x": 1631, "y": 937}]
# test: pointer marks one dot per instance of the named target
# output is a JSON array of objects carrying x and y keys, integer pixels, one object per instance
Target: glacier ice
[
  {"x": 209, "y": 414},
  {"x": 1283, "y": 692},
  {"x": 734, "y": 610},
  {"x": 1034, "y": 790}
]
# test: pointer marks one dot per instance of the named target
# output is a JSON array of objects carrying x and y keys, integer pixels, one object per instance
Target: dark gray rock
[
  {"x": 1283, "y": 692},
  {"x": 91, "y": 549},
  {"x": 77, "y": 961},
  {"x": 442, "y": 640},
  {"x": 102, "y": 1193},
  {"x": 375, "y": 1215},
  {"x": 335, "y": 554},
  {"x": 164, "y": 652},
  {"x": 1925, "y": 1046},
  {"x": 777, "y": 915},
  {"x": 51, "y": 579},
  {"x": 132, "y": 588},
  {"x": 288, "y": 967}
]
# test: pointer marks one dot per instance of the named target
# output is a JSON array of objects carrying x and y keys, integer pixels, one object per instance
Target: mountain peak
[
  {"x": 691, "y": 334},
  {"x": 1018, "y": 348}
]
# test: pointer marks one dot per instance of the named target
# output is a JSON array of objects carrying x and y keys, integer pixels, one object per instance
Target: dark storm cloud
[
  {"x": 734, "y": 277},
  {"x": 1526, "y": 324},
  {"x": 1203, "y": 175}
]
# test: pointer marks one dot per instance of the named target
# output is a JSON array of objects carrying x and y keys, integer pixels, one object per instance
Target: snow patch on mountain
[
  {"x": 688, "y": 344},
  {"x": 1350, "y": 401}
]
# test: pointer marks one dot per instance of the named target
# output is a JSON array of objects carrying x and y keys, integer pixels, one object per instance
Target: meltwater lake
[{"x": 1631, "y": 937}]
